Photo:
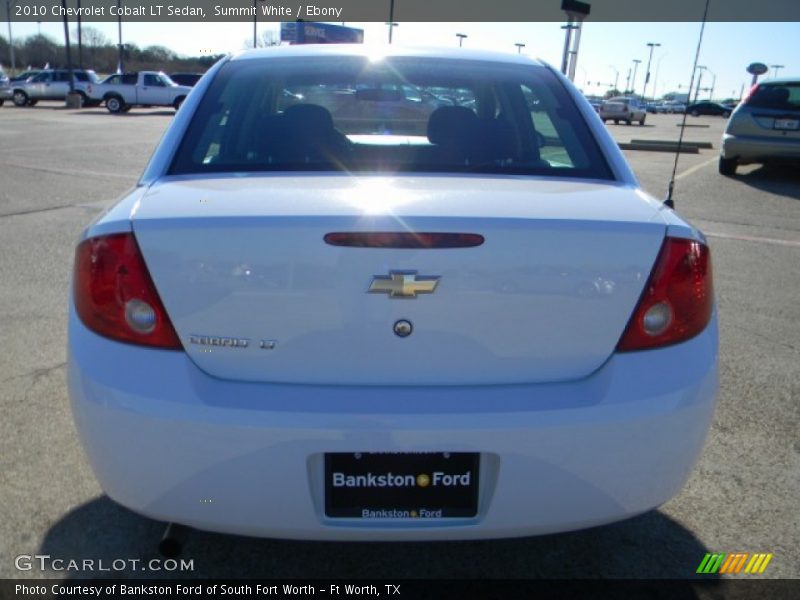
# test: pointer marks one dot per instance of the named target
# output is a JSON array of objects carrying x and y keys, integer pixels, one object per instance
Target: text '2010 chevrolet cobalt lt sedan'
[{"x": 420, "y": 295}]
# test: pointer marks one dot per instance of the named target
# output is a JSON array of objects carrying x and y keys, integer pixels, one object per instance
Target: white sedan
[{"x": 357, "y": 312}]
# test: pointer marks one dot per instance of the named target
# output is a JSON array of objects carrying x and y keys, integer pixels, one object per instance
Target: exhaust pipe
[{"x": 171, "y": 544}]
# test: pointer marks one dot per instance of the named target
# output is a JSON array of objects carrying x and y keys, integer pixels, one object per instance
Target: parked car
[
  {"x": 25, "y": 75},
  {"x": 627, "y": 109},
  {"x": 764, "y": 128},
  {"x": 121, "y": 92},
  {"x": 5, "y": 87},
  {"x": 469, "y": 324},
  {"x": 50, "y": 84},
  {"x": 672, "y": 107},
  {"x": 187, "y": 79},
  {"x": 707, "y": 107}
]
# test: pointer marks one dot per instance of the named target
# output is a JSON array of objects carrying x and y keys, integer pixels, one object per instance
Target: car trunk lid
[{"x": 256, "y": 294}]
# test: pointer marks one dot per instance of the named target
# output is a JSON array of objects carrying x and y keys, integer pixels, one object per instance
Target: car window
[
  {"x": 112, "y": 80},
  {"x": 784, "y": 96},
  {"x": 129, "y": 78},
  {"x": 153, "y": 80},
  {"x": 395, "y": 115},
  {"x": 42, "y": 78}
]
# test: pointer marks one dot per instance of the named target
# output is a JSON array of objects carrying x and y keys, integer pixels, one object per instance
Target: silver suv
[
  {"x": 764, "y": 128},
  {"x": 51, "y": 84},
  {"x": 623, "y": 108},
  {"x": 5, "y": 87}
]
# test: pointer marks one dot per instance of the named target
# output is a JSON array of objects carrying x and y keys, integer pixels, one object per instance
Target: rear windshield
[
  {"x": 392, "y": 115},
  {"x": 783, "y": 96}
]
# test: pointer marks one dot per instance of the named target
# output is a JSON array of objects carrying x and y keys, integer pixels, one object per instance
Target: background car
[
  {"x": 50, "y": 84},
  {"x": 351, "y": 318},
  {"x": 5, "y": 87},
  {"x": 764, "y": 128},
  {"x": 627, "y": 109},
  {"x": 706, "y": 107},
  {"x": 188, "y": 79}
]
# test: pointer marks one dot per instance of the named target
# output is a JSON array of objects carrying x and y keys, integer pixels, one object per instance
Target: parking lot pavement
[{"x": 59, "y": 168}]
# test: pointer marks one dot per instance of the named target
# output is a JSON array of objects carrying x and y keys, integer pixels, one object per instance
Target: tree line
[{"x": 97, "y": 52}]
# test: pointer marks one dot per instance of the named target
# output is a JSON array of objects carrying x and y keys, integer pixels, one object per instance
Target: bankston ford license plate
[{"x": 401, "y": 486}]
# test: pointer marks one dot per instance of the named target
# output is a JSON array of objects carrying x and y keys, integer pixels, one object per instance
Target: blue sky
[{"x": 727, "y": 47}]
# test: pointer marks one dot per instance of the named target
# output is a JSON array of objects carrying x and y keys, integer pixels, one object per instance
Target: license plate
[
  {"x": 401, "y": 485},
  {"x": 792, "y": 124}
]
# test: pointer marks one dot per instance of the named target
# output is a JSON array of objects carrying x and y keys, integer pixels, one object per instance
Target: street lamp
[
  {"x": 119, "y": 33},
  {"x": 777, "y": 68},
  {"x": 461, "y": 37},
  {"x": 655, "y": 79},
  {"x": 636, "y": 62},
  {"x": 576, "y": 13},
  {"x": 391, "y": 22},
  {"x": 651, "y": 45},
  {"x": 10, "y": 38},
  {"x": 699, "y": 79},
  {"x": 519, "y": 46},
  {"x": 616, "y": 76},
  {"x": 713, "y": 83}
]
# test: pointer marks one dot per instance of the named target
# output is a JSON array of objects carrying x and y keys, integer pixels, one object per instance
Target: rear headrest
[
  {"x": 451, "y": 124},
  {"x": 308, "y": 117}
]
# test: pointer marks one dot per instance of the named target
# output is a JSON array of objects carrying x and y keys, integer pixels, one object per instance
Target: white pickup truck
[{"x": 122, "y": 91}]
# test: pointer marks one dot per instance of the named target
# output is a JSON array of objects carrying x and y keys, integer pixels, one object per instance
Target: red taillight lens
[
  {"x": 678, "y": 300},
  {"x": 115, "y": 296}
]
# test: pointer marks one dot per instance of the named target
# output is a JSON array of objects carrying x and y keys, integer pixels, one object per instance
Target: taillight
[
  {"x": 115, "y": 296},
  {"x": 677, "y": 301}
]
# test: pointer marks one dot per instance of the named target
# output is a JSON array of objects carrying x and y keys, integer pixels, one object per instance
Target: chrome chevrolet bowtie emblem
[{"x": 403, "y": 284}]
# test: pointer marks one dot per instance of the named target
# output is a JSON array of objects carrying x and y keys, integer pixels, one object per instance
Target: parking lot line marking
[
  {"x": 74, "y": 172},
  {"x": 695, "y": 168},
  {"x": 753, "y": 238}
]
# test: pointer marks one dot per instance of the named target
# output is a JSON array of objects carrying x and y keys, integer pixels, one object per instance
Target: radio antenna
[{"x": 669, "y": 201}]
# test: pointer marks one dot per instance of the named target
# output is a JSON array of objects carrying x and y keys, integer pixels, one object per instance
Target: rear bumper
[
  {"x": 174, "y": 444},
  {"x": 758, "y": 149}
]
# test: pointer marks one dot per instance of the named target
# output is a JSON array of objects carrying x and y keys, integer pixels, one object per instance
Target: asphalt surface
[{"x": 59, "y": 168}]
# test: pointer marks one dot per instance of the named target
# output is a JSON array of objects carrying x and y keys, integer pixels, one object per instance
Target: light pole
[
  {"x": 628, "y": 81},
  {"x": 576, "y": 13},
  {"x": 519, "y": 46},
  {"x": 391, "y": 22},
  {"x": 567, "y": 40},
  {"x": 777, "y": 68},
  {"x": 713, "y": 83},
  {"x": 655, "y": 79},
  {"x": 80, "y": 38},
  {"x": 255, "y": 25},
  {"x": 10, "y": 38},
  {"x": 119, "y": 34},
  {"x": 461, "y": 37},
  {"x": 616, "y": 76},
  {"x": 699, "y": 79},
  {"x": 651, "y": 45},
  {"x": 69, "y": 54},
  {"x": 636, "y": 62}
]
